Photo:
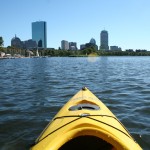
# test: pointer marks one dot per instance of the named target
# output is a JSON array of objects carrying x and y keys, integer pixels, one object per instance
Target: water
[{"x": 32, "y": 90}]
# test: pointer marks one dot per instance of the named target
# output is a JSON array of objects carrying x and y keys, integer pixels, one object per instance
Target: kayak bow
[{"x": 84, "y": 122}]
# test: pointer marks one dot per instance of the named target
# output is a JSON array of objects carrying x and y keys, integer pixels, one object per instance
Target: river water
[{"x": 32, "y": 90}]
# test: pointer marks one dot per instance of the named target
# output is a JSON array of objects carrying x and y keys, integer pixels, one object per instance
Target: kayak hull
[{"x": 84, "y": 122}]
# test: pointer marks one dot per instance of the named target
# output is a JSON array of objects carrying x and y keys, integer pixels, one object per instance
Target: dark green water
[{"x": 32, "y": 90}]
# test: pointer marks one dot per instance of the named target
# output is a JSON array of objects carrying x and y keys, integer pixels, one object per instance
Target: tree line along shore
[{"x": 70, "y": 53}]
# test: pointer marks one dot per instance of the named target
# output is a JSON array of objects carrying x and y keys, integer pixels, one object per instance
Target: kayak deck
[{"x": 84, "y": 122}]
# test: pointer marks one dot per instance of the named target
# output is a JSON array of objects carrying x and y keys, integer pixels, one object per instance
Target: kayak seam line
[
  {"x": 88, "y": 116},
  {"x": 79, "y": 117},
  {"x": 56, "y": 130},
  {"x": 109, "y": 125}
]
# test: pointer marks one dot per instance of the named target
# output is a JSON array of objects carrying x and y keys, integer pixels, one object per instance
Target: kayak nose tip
[{"x": 84, "y": 88}]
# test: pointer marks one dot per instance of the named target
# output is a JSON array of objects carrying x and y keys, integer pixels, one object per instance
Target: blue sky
[{"x": 127, "y": 21}]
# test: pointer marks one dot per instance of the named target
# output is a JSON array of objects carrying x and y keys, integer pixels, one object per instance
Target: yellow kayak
[{"x": 84, "y": 122}]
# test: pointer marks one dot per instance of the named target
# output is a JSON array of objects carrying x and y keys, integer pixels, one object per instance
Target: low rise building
[
  {"x": 73, "y": 46},
  {"x": 115, "y": 48},
  {"x": 129, "y": 50},
  {"x": 28, "y": 44}
]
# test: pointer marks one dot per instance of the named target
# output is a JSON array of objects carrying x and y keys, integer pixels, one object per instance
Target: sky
[{"x": 127, "y": 21}]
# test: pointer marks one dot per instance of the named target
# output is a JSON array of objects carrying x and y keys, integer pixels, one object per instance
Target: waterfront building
[
  {"x": 64, "y": 45},
  {"x": 82, "y": 46},
  {"x": 73, "y": 46},
  {"x": 93, "y": 41},
  {"x": 104, "y": 40},
  {"x": 16, "y": 42},
  {"x": 141, "y": 50},
  {"x": 39, "y": 33},
  {"x": 129, "y": 50},
  {"x": 30, "y": 44},
  {"x": 115, "y": 48}
]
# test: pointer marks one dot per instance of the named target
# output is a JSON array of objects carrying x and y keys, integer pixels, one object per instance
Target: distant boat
[
  {"x": 44, "y": 56},
  {"x": 30, "y": 53},
  {"x": 2, "y": 54},
  {"x": 37, "y": 53}
]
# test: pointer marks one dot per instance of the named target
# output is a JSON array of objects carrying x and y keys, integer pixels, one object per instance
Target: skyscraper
[
  {"x": 64, "y": 45},
  {"x": 39, "y": 33},
  {"x": 104, "y": 40}
]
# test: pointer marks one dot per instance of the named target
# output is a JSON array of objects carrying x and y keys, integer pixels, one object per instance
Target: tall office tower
[
  {"x": 104, "y": 40},
  {"x": 39, "y": 33},
  {"x": 64, "y": 45}
]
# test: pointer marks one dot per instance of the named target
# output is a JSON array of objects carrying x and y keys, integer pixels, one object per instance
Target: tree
[{"x": 1, "y": 41}]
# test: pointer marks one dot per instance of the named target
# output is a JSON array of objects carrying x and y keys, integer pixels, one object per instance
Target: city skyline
[
  {"x": 39, "y": 29},
  {"x": 127, "y": 21}
]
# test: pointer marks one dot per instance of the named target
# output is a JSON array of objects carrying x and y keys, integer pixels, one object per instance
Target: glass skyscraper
[
  {"x": 104, "y": 40},
  {"x": 39, "y": 33}
]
